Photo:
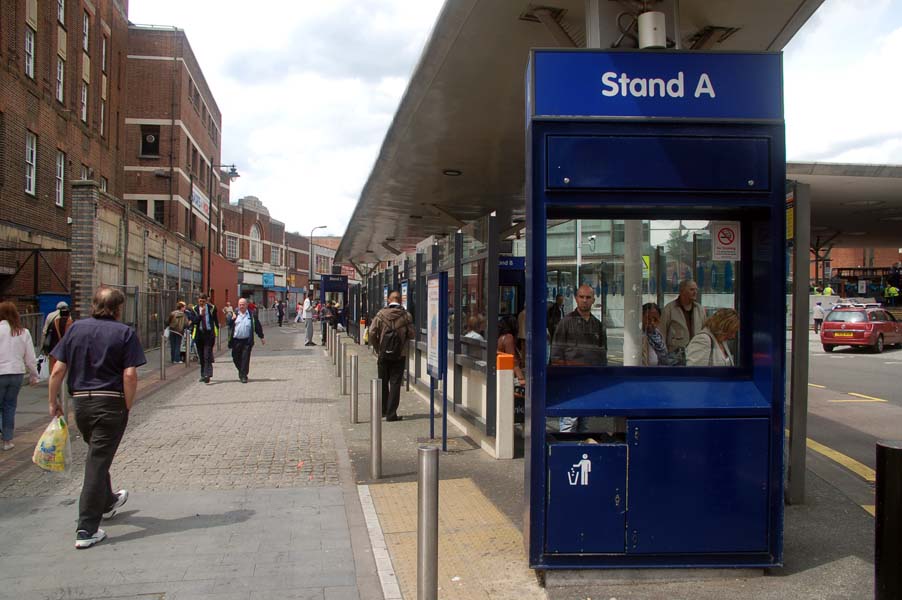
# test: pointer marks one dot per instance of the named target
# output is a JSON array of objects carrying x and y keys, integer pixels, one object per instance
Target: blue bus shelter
[{"x": 641, "y": 153}]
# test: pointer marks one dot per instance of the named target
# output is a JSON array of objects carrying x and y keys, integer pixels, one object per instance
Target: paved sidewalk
[{"x": 237, "y": 491}]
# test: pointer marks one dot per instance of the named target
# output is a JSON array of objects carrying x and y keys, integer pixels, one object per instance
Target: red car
[{"x": 860, "y": 325}]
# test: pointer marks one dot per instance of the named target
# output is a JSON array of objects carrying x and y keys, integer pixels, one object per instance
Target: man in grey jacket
[{"x": 682, "y": 318}]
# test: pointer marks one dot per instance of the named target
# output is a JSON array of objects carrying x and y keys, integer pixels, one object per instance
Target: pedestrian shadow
[{"x": 151, "y": 526}]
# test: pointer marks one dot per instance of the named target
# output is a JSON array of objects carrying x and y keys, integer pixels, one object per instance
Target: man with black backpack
[{"x": 388, "y": 335}]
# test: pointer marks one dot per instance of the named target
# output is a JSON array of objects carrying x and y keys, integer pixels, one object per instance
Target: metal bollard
[
  {"x": 163, "y": 345},
  {"x": 354, "y": 390},
  {"x": 427, "y": 523},
  {"x": 336, "y": 348},
  {"x": 187, "y": 341},
  {"x": 888, "y": 526},
  {"x": 339, "y": 354},
  {"x": 376, "y": 429},
  {"x": 328, "y": 343},
  {"x": 343, "y": 372}
]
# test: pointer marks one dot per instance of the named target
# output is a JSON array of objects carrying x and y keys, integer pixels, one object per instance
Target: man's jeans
[
  {"x": 101, "y": 421},
  {"x": 391, "y": 372},
  {"x": 309, "y": 332},
  {"x": 9, "y": 397},
  {"x": 175, "y": 347}
]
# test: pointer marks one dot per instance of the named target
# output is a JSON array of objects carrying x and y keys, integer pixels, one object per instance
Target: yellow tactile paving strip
[{"x": 481, "y": 555}]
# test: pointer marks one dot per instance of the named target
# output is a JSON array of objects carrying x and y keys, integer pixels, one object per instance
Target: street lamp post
[
  {"x": 312, "y": 254},
  {"x": 232, "y": 174}
]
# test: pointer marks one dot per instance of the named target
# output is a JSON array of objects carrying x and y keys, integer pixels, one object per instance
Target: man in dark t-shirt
[{"x": 99, "y": 358}]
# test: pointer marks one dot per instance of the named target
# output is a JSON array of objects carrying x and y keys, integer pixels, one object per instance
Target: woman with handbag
[
  {"x": 709, "y": 348},
  {"x": 16, "y": 358}
]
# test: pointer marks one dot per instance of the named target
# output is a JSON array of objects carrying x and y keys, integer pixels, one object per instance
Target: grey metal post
[
  {"x": 186, "y": 339},
  {"x": 343, "y": 371},
  {"x": 888, "y": 525},
  {"x": 376, "y": 429},
  {"x": 163, "y": 344},
  {"x": 328, "y": 341},
  {"x": 336, "y": 350},
  {"x": 354, "y": 390},
  {"x": 427, "y": 523},
  {"x": 659, "y": 281},
  {"x": 798, "y": 393}
]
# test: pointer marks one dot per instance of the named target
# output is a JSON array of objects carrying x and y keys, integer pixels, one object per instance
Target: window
[
  {"x": 60, "y": 177},
  {"x": 29, "y": 51},
  {"x": 231, "y": 246},
  {"x": 104, "y": 184},
  {"x": 256, "y": 244},
  {"x": 158, "y": 211},
  {"x": 274, "y": 256},
  {"x": 84, "y": 102},
  {"x": 85, "y": 30},
  {"x": 60, "y": 78},
  {"x": 85, "y": 172},
  {"x": 292, "y": 260},
  {"x": 31, "y": 161},
  {"x": 103, "y": 43},
  {"x": 61, "y": 11},
  {"x": 142, "y": 206},
  {"x": 620, "y": 290},
  {"x": 102, "y": 118},
  {"x": 150, "y": 140}
]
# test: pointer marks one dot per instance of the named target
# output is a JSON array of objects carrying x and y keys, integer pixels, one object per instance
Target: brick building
[
  {"x": 61, "y": 99},
  {"x": 172, "y": 142}
]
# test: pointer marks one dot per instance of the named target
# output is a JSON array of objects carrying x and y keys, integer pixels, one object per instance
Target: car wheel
[
  {"x": 828, "y": 348},
  {"x": 879, "y": 346}
]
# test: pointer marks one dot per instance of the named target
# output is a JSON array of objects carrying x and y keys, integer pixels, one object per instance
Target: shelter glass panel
[{"x": 616, "y": 299}]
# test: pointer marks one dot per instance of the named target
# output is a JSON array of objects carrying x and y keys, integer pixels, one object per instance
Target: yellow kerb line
[
  {"x": 856, "y": 401},
  {"x": 862, "y": 470},
  {"x": 872, "y": 398},
  {"x": 870, "y": 508},
  {"x": 820, "y": 387}
]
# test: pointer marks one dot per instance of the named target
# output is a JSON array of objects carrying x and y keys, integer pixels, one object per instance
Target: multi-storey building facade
[
  {"x": 61, "y": 98},
  {"x": 172, "y": 140}
]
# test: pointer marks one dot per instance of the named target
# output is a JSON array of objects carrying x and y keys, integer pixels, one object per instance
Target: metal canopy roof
[
  {"x": 464, "y": 108},
  {"x": 853, "y": 203}
]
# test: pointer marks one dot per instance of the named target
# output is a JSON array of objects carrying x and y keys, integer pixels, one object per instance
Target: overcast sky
[{"x": 307, "y": 90}]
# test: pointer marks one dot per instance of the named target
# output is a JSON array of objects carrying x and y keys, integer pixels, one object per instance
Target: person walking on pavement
[
  {"x": 244, "y": 324},
  {"x": 16, "y": 358},
  {"x": 177, "y": 324},
  {"x": 308, "y": 319},
  {"x": 391, "y": 329},
  {"x": 683, "y": 317},
  {"x": 204, "y": 329},
  {"x": 99, "y": 358},
  {"x": 819, "y": 315},
  {"x": 49, "y": 320},
  {"x": 891, "y": 294},
  {"x": 280, "y": 311},
  {"x": 57, "y": 330},
  {"x": 299, "y": 312}
]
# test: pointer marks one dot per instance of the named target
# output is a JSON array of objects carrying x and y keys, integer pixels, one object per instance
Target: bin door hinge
[
  {"x": 635, "y": 435},
  {"x": 634, "y": 539}
]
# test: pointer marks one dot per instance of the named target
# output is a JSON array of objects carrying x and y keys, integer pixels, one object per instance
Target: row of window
[
  {"x": 201, "y": 109},
  {"x": 30, "y": 53},
  {"x": 256, "y": 250},
  {"x": 31, "y": 170}
]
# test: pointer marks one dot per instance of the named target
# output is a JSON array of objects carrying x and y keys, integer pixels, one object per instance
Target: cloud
[
  {"x": 306, "y": 90},
  {"x": 841, "y": 88}
]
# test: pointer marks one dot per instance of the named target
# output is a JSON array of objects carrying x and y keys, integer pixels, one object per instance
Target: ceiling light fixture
[{"x": 453, "y": 172}]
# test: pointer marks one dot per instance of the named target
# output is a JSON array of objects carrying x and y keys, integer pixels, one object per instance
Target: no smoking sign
[{"x": 726, "y": 240}]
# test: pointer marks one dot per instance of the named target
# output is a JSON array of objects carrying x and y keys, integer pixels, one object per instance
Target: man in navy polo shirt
[{"x": 101, "y": 357}]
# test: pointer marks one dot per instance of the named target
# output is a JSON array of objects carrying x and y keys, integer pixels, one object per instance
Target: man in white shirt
[{"x": 308, "y": 319}]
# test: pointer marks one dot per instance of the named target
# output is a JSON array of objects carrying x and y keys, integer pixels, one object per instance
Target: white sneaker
[
  {"x": 8, "y": 445},
  {"x": 83, "y": 539},
  {"x": 121, "y": 498}
]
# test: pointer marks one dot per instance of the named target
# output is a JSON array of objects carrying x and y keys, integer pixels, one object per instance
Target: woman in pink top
[{"x": 16, "y": 357}]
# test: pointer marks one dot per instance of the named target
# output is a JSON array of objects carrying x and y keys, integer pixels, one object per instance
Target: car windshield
[{"x": 847, "y": 316}]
